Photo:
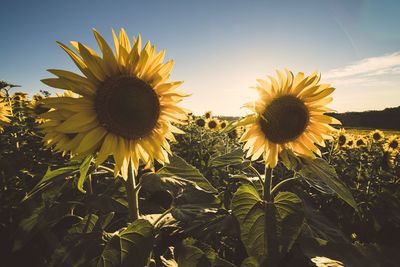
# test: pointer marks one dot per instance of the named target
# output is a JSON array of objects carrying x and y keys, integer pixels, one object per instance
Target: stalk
[
  {"x": 270, "y": 221},
  {"x": 132, "y": 192}
]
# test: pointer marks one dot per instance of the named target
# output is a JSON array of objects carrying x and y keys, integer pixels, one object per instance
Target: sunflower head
[
  {"x": 361, "y": 141},
  {"x": 235, "y": 133},
  {"x": 122, "y": 105},
  {"x": 377, "y": 135},
  {"x": 350, "y": 142},
  {"x": 213, "y": 124},
  {"x": 19, "y": 97},
  {"x": 341, "y": 137},
  {"x": 223, "y": 124},
  {"x": 208, "y": 114},
  {"x": 36, "y": 108},
  {"x": 200, "y": 122},
  {"x": 290, "y": 114},
  {"x": 393, "y": 143}
]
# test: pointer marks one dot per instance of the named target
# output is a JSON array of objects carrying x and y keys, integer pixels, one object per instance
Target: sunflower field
[{"x": 112, "y": 171}]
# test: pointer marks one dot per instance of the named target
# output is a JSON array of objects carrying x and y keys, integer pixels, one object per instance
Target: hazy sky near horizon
[{"x": 221, "y": 47}]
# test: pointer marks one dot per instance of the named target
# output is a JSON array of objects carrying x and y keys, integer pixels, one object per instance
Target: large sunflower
[
  {"x": 288, "y": 115},
  {"x": 125, "y": 106}
]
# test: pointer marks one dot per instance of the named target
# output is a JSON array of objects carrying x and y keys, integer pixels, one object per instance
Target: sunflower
[
  {"x": 213, "y": 124},
  {"x": 288, "y": 115},
  {"x": 235, "y": 133},
  {"x": 208, "y": 114},
  {"x": 350, "y": 142},
  {"x": 19, "y": 97},
  {"x": 200, "y": 122},
  {"x": 392, "y": 143},
  {"x": 377, "y": 135},
  {"x": 223, "y": 124},
  {"x": 361, "y": 141},
  {"x": 5, "y": 112},
  {"x": 36, "y": 108},
  {"x": 125, "y": 106},
  {"x": 341, "y": 138}
]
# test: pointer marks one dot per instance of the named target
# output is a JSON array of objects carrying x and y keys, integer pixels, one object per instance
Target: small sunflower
[
  {"x": 341, "y": 138},
  {"x": 36, "y": 108},
  {"x": 361, "y": 141},
  {"x": 223, "y": 124},
  {"x": 350, "y": 142},
  {"x": 288, "y": 115},
  {"x": 200, "y": 122},
  {"x": 125, "y": 106},
  {"x": 5, "y": 112},
  {"x": 208, "y": 114},
  {"x": 19, "y": 97},
  {"x": 377, "y": 135},
  {"x": 213, "y": 124},
  {"x": 392, "y": 143},
  {"x": 235, "y": 133}
]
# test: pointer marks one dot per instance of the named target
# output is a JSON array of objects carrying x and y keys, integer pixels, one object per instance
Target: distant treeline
[{"x": 388, "y": 119}]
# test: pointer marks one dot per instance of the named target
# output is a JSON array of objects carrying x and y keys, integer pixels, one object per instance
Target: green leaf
[
  {"x": 235, "y": 157},
  {"x": 180, "y": 168},
  {"x": 319, "y": 169},
  {"x": 83, "y": 169},
  {"x": 290, "y": 218},
  {"x": 289, "y": 159},
  {"x": 193, "y": 203},
  {"x": 49, "y": 178},
  {"x": 84, "y": 226},
  {"x": 248, "y": 209},
  {"x": 187, "y": 255},
  {"x": 130, "y": 247},
  {"x": 153, "y": 182}
]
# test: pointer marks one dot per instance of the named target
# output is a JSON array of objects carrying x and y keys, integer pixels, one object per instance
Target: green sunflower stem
[
  {"x": 270, "y": 230},
  {"x": 132, "y": 191},
  {"x": 267, "y": 184}
]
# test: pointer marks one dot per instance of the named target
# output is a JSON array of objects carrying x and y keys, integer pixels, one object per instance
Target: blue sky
[{"x": 222, "y": 46}]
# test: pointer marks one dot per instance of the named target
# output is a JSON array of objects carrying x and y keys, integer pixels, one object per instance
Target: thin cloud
[{"x": 373, "y": 66}]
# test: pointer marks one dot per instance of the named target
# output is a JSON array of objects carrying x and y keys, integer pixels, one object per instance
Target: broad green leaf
[
  {"x": 49, "y": 177},
  {"x": 290, "y": 218},
  {"x": 85, "y": 226},
  {"x": 319, "y": 169},
  {"x": 130, "y": 247},
  {"x": 83, "y": 169},
  {"x": 248, "y": 209},
  {"x": 153, "y": 182},
  {"x": 187, "y": 256},
  {"x": 193, "y": 203},
  {"x": 180, "y": 168},
  {"x": 232, "y": 158},
  {"x": 289, "y": 159}
]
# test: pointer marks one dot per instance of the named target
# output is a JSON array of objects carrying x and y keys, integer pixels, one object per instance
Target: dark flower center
[
  {"x": 284, "y": 119},
  {"x": 360, "y": 142},
  {"x": 394, "y": 144},
  {"x": 212, "y": 124},
  {"x": 342, "y": 140},
  {"x": 127, "y": 106},
  {"x": 200, "y": 122},
  {"x": 376, "y": 136}
]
